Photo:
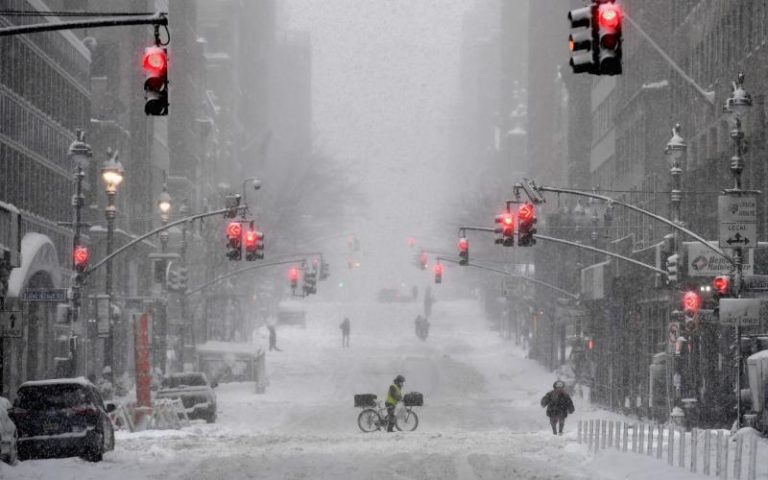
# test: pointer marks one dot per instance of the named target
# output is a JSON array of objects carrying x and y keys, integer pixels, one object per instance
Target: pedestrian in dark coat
[
  {"x": 273, "y": 338},
  {"x": 559, "y": 405},
  {"x": 345, "y": 332}
]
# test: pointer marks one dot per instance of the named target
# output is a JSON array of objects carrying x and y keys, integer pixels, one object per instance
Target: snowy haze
[{"x": 384, "y": 85}]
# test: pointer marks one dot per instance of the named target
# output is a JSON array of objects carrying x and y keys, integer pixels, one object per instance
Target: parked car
[
  {"x": 291, "y": 312},
  {"x": 63, "y": 417},
  {"x": 8, "y": 443},
  {"x": 195, "y": 392}
]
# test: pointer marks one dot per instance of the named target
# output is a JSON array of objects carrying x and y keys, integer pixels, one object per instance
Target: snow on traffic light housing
[{"x": 155, "y": 63}]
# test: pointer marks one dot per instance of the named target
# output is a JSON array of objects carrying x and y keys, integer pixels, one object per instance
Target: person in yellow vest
[{"x": 394, "y": 395}]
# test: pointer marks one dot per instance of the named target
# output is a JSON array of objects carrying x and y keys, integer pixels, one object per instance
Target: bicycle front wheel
[
  {"x": 407, "y": 422},
  {"x": 368, "y": 420}
]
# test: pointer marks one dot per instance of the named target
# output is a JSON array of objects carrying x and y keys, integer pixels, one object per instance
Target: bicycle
[{"x": 372, "y": 419}]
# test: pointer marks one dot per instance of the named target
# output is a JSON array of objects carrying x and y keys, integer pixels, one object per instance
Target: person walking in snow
[
  {"x": 273, "y": 339},
  {"x": 345, "y": 332},
  {"x": 559, "y": 405}
]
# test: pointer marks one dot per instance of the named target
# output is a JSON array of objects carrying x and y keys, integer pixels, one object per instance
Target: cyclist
[{"x": 394, "y": 395}]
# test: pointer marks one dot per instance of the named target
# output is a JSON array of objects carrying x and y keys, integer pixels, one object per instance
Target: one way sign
[
  {"x": 738, "y": 221},
  {"x": 10, "y": 324}
]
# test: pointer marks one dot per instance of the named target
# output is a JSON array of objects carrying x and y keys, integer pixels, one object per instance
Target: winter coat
[
  {"x": 394, "y": 395},
  {"x": 558, "y": 403}
]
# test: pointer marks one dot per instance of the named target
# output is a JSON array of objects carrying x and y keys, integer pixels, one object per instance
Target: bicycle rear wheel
[
  {"x": 368, "y": 420},
  {"x": 407, "y": 422}
]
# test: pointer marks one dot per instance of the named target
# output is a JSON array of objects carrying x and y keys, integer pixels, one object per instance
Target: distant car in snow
[
  {"x": 8, "y": 443},
  {"x": 195, "y": 392},
  {"x": 62, "y": 417},
  {"x": 291, "y": 312}
]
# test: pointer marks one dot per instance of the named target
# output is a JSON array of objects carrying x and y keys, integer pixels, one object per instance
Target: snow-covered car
[
  {"x": 63, "y": 417},
  {"x": 8, "y": 444},
  {"x": 291, "y": 312},
  {"x": 195, "y": 392}
]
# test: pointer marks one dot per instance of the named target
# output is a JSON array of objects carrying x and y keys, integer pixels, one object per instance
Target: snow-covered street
[{"x": 481, "y": 417}]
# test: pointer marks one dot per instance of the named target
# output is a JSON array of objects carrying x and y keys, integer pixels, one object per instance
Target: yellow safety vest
[{"x": 392, "y": 401}]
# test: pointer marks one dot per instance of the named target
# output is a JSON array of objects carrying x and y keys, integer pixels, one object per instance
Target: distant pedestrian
[
  {"x": 344, "y": 333},
  {"x": 273, "y": 339},
  {"x": 559, "y": 405}
]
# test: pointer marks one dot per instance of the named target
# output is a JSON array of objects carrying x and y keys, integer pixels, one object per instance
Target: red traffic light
[
  {"x": 590, "y": 344},
  {"x": 293, "y": 274},
  {"x": 423, "y": 259},
  {"x": 506, "y": 219},
  {"x": 155, "y": 60},
  {"x": 438, "y": 269},
  {"x": 721, "y": 284},
  {"x": 526, "y": 212},
  {"x": 691, "y": 302},
  {"x": 234, "y": 230},
  {"x": 463, "y": 244},
  {"x": 251, "y": 240},
  {"x": 80, "y": 256},
  {"x": 609, "y": 16}
]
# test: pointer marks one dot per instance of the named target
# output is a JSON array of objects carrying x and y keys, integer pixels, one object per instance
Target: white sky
[{"x": 385, "y": 82}]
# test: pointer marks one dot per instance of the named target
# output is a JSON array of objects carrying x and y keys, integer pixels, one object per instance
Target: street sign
[
  {"x": 703, "y": 262},
  {"x": 741, "y": 311},
  {"x": 738, "y": 221},
  {"x": 57, "y": 295},
  {"x": 756, "y": 283},
  {"x": 10, "y": 324}
]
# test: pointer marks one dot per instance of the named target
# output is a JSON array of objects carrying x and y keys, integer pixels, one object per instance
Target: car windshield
[
  {"x": 46, "y": 397},
  {"x": 189, "y": 380}
]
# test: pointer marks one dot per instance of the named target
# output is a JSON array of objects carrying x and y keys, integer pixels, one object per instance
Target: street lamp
[
  {"x": 112, "y": 173},
  {"x": 676, "y": 148}
]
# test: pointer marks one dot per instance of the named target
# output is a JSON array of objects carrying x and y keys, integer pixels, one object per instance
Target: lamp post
[
  {"x": 79, "y": 154},
  {"x": 674, "y": 152},
  {"x": 186, "y": 323},
  {"x": 112, "y": 174},
  {"x": 164, "y": 205},
  {"x": 738, "y": 104}
]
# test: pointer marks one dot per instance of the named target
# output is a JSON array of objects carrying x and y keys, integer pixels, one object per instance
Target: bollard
[
  {"x": 618, "y": 438},
  {"x": 671, "y": 446},
  {"x": 725, "y": 457},
  {"x": 610, "y": 434},
  {"x": 719, "y": 454},
  {"x": 707, "y": 451},
  {"x": 641, "y": 439},
  {"x": 579, "y": 432},
  {"x": 634, "y": 438},
  {"x": 752, "y": 466},
  {"x": 589, "y": 435},
  {"x": 660, "y": 443},
  {"x": 694, "y": 450},
  {"x": 649, "y": 448},
  {"x": 603, "y": 429},
  {"x": 681, "y": 460},
  {"x": 739, "y": 448},
  {"x": 625, "y": 438},
  {"x": 597, "y": 435}
]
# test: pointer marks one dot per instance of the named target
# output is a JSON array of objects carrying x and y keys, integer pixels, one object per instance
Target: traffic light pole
[
  {"x": 520, "y": 277},
  {"x": 221, "y": 278},
  {"x": 159, "y": 19},
  {"x": 641, "y": 211}
]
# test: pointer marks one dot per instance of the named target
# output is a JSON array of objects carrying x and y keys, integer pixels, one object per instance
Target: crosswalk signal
[
  {"x": 463, "y": 251},
  {"x": 156, "y": 85},
  {"x": 609, "y": 19},
  {"x": 234, "y": 240},
  {"x": 526, "y": 218},
  {"x": 582, "y": 41}
]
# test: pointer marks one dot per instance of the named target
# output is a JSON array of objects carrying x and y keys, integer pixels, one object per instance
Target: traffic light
[
  {"x": 691, "y": 304},
  {"x": 232, "y": 204},
  {"x": 324, "y": 270},
  {"x": 526, "y": 219},
  {"x": 310, "y": 282},
  {"x": 293, "y": 276},
  {"x": 156, "y": 84},
  {"x": 80, "y": 256},
  {"x": 673, "y": 274},
  {"x": 506, "y": 228},
  {"x": 609, "y": 38},
  {"x": 254, "y": 245},
  {"x": 463, "y": 251},
  {"x": 721, "y": 288},
  {"x": 423, "y": 260},
  {"x": 234, "y": 240},
  {"x": 438, "y": 269},
  {"x": 182, "y": 278},
  {"x": 582, "y": 41}
]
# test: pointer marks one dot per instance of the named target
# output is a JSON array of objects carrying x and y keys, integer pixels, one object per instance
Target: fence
[
  {"x": 165, "y": 413},
  {"x": 711, "y": 452}
]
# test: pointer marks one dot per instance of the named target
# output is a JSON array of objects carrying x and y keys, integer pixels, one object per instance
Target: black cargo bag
[
  {"x": 365, "y": 400},
  {"x": 413, "y": 399}
]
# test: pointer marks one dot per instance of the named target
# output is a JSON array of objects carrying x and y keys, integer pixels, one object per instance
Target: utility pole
[{"x": 186, "y": 325}]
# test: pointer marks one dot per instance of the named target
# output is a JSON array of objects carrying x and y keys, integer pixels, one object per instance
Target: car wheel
[
  {"x": 13, "y": 455},
  {"x": 95, "y": 452},
  {"x": 211, "y": 417}
]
